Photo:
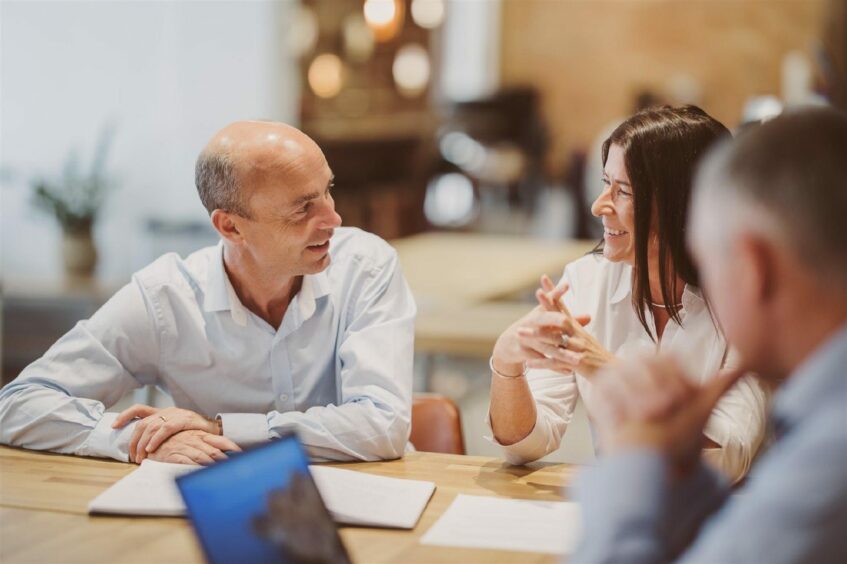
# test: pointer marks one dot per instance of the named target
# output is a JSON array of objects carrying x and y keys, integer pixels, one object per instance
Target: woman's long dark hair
[{"x": 661, "y": 147}]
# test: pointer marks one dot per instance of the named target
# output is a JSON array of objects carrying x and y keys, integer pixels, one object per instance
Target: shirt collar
[
  {"x": 623, "y": 287},
  {"x": 220, "y": 295},
  {"x": 692, "y": 297},
  {"x": 314, "y": 287},
  {"x": 814, "y": 382}
]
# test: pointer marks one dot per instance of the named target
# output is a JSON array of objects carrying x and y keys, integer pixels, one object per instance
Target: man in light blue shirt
[
  {"x": 775, "y": 268},
  {"x": 290, "y": 323}
]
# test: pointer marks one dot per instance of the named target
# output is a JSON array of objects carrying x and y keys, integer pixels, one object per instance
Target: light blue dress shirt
[
  {"x": 338, "y": 371},
  {"x": 792, "y": 509}
]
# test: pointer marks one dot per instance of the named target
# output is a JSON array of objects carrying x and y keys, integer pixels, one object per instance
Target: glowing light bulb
[{"x": 326, "y": 75}]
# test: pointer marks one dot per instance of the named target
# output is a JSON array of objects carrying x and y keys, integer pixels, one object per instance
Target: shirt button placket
[{"x": 282, "y": 376}]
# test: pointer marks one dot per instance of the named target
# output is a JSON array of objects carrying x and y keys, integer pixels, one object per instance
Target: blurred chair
[{"x": 436, "y": 425}]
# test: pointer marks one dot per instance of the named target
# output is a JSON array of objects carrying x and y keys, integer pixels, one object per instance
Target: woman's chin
[{"x": 617, "y": 255}]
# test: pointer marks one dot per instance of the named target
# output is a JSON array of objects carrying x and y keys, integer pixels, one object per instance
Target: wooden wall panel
[{"x": 590, "y": 57}]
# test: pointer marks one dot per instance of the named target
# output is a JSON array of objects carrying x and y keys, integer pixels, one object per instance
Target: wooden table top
[
  {"x": 445, "y": 268},
  {"x": 466, "y": 329},
  {"x": 44, "y": 499}
]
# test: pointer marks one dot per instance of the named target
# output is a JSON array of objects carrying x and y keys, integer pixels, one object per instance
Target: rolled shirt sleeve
[
  {"x": 555, "y": 396},
  {"x": 59, "y": 401},
  {"x": 738, "y": 424}
]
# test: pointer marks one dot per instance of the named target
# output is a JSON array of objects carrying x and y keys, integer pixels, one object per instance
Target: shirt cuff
[
  {"x": 105, "y": 442},
  {"x": 245, "y": 429},
  {"x": 528, "y": 449}
]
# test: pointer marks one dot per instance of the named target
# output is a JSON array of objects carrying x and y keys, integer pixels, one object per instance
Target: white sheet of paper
[
  {"x": 353, "y": 498},
  {"x": 551, "y": 527},
  {"x": 356, "y": 498}
]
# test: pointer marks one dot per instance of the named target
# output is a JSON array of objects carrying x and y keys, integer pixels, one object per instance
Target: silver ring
[{"x": 565, "y": 339}]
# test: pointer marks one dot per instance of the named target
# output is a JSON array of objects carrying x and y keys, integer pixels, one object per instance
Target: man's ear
[
  {"x": 758, "y": 266},
  {"x": 227, "y": 225}
]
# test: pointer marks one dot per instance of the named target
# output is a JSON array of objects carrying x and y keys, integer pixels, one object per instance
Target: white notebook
[{"x": 353, "y": 498}]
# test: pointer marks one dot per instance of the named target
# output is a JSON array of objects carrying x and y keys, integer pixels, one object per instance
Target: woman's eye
[{"x": 606, "y": 181}]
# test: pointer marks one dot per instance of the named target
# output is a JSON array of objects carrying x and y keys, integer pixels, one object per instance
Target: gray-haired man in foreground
[{"x": 770, "y": 235}]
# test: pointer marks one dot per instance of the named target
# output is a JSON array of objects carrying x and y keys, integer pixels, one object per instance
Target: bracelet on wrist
[{"x": 508, "y": 376}]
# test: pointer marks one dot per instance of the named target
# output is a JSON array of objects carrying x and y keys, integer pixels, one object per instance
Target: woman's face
[{"x": 616, "y": 208}]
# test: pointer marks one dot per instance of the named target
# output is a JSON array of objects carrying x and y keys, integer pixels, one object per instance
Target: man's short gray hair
[
  {"x": 794, "y": 169},
  {"x": 218, "y": 185}
]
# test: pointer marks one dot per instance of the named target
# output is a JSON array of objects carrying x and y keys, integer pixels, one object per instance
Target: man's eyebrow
[{"x": 311, "y": 195}]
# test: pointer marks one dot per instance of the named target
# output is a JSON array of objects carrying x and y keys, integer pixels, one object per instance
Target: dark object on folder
[{"x": 262, "y": 506}]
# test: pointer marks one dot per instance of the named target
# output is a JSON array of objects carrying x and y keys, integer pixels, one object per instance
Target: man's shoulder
[
  {"x": 171, "y": 269},
  {"x": 352, "y": 246}
]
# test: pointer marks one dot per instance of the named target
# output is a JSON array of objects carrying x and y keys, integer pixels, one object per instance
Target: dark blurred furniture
[
  {"x": 509, "y": 119},
  {"x": 436, "y": 425},
  {"x": 33, "y": 318},
  {"x": 380, "y": 181}
]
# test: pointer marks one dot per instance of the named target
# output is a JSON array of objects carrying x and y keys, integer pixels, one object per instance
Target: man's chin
[{"x": 319, "y": 265}]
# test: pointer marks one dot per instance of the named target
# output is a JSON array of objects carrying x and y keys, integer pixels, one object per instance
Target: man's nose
[{"x": 330, "y": 219}]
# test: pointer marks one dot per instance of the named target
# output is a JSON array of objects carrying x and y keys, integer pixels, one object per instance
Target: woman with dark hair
[{"x": 638, "y": 292}]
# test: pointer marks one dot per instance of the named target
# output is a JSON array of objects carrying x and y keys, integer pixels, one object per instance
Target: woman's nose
[{"x": 603, "y": 204}]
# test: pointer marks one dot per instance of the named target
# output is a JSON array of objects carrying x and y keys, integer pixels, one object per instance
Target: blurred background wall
[
  {"x": 590, "y": 59},
  {"x": 164, "y": 75}
]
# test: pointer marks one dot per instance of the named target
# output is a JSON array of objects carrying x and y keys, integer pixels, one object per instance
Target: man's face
[
  {"x": 293, "y": 215},
  {"x": 731, "y": 282}
]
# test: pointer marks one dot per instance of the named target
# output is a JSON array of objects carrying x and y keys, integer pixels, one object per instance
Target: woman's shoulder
[{"x": 594, "y": 268}]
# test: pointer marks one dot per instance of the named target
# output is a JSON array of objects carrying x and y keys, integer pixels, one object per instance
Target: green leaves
[{"x": 76, "y": 197}]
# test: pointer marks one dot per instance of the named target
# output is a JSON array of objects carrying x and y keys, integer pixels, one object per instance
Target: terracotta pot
[{"x": 79, "y": 253}]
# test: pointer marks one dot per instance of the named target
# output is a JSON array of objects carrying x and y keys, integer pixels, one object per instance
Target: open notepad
[{"x": 353, "y": 498}]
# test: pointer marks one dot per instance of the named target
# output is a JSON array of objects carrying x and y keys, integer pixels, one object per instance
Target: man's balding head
[
  {"x": 769, "y": 232},
  {"x": 786, "y": 179},
  {"x": 245, "y": 150}
]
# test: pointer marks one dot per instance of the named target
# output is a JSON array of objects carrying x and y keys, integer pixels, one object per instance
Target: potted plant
[{"x": 75, "y": 199}]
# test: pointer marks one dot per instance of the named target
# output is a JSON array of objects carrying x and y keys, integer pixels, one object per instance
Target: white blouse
[{"x": 603, "y": 289}]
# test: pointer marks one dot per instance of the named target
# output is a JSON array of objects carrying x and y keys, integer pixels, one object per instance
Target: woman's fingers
[
  {"x": 550, "y": 297},
  {"x": 551, "y": 319},
  {"x": 546, "y": 335},
  {"x": 551, "y": 351}
]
